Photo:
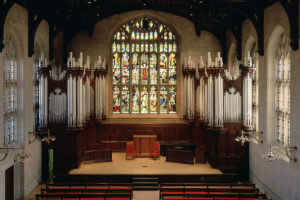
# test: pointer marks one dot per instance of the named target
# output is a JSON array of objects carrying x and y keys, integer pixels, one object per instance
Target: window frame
[{"x": 130, "y": 114}]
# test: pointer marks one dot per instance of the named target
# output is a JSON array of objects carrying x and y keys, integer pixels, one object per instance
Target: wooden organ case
[{"x": 217, "y": 107}]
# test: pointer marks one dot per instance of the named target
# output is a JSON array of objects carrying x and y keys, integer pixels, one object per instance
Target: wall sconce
[
  {"x": 22, "y": 157},
  {"x": 242, "y": 139},
  {"x": 19, "y": 157},
  {"x": 245, "y": 137},
  {"x": 48, "y": 138},
  {"x": 270, "y": 156}
]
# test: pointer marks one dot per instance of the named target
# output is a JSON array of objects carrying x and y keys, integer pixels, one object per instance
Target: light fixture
[
  {"x": 270, "y": 156},
  {"x": 242, "y": 139},
  {"x": 19, "y": 157},
  {"x": 22, "y": 157},
  {"x": 49, "y": 138},
  {"x": 246, "y": 135},
  {"x": 46, "y": 138}
]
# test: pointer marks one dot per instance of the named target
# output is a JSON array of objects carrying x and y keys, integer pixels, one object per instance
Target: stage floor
[{"x": 143, "y": 166}]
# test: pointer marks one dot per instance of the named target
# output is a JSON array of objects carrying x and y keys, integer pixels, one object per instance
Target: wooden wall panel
[{"x": 222, "y": 151}]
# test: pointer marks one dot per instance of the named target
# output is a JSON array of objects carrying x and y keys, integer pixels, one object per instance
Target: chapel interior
[{"x": 149, "y": 99}]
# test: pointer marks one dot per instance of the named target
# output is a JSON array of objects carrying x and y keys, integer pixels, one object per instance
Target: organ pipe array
[
  {"x": 43, "y": 92},
  {"x": 69, "y": 95},
  {"x": 220, "y": 97},
  {"x": 79, "y": 90}
]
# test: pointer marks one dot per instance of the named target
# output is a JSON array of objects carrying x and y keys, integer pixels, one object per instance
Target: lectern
[{"x": 143, "y": 144}]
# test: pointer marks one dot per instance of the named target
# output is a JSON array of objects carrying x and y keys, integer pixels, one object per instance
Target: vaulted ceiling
[{"x": 215, "y": 16}]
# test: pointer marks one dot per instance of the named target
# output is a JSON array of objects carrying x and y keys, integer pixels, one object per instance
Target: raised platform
[{"x": 142, "y": 166}]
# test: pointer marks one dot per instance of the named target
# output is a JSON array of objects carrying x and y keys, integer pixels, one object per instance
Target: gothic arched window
[
  {"x": 10, "y": 85},
  {"x": 283, "y": 91},
  {"x": 255, "y": 66},
  {"x": 144, "y": 60}
]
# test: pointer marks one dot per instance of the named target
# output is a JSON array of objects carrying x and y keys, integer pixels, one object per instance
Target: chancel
[{"x": 149, "y": 99}]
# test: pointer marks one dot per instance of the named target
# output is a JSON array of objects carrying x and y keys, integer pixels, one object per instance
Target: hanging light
[
  {"x": 49, "y": 138},
  {"x": 270, "y": 156},
  {"x": 242, "y": 139}
]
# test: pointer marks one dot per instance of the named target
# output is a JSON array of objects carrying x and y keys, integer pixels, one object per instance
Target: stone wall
[
  {"x": 27, "y": 175},
  {"x": 188, "y": 42},
  {"x": 280, "y": 179}
]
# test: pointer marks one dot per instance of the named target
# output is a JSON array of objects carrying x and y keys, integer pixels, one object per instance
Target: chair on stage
[
  {"x": 130, "y": 151},
  {"x": 156, "y": 153}
]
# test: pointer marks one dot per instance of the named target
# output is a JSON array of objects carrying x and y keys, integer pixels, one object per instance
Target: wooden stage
[{"x": 145, "y": 166}]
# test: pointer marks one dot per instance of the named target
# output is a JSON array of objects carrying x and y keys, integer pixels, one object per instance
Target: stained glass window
[{"x": 144, "y": 67}]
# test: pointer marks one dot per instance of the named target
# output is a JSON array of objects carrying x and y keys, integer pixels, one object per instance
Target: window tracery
[
  {"x": 283, "y": 77},
  {"x": 144, "y": 68},
  {"x": 10, "y": 91}
]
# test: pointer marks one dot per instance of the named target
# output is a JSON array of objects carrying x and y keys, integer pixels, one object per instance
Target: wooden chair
[
  {"x": 156, "y": 153},
  {"x": 130, "y": 151}
]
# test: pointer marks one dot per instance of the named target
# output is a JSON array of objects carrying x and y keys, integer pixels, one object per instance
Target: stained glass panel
[
  {"x": 116, "y": 99},
  {"x": 135, "y": 99},
  {"x": 163, "y": 99},
  {"x": 166, "y": 47},
  {"x": 142, "y": 35},
  {"x": 151, "y": 48},
  {"x": 172, "y": 69},
  {"x": 174, "y": 47},
  {"x": 123, "y": 47},
  {"x": 153, "y": 100},
  {"x": 125, "y": 99},
  {"x": 170, "y": 35},
  {"x": 155, "y": 35},
  {"x": 135, "y": 69},
  {"x": 114, "y": 47},
  {"x": 151, "y": 35},
  {"x": 172, "y": 101},
  {"x": 116, "y": 69},
  {"x": 144, "y": 69},
  {"x": 161, "y": 47},
  {"x": 146, "y": 36},
  {"x": 163, "y": 68},
  {"x": 153, "y": 69},
  {"x": 125, "y": 68},
  {"x": 144, "y": 100},
  {"x": 123, "y": 35},
  {"x": 118, "y": 47}
]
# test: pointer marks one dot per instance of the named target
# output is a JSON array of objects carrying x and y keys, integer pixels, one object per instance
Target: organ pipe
[
  {"x": 189, "y": 88},
  {"x": 100, "y": 73},
  {"x": 43, "y": 92}
]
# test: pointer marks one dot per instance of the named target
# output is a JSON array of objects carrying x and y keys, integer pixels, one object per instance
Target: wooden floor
[{"x": 143, "y": 166}]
